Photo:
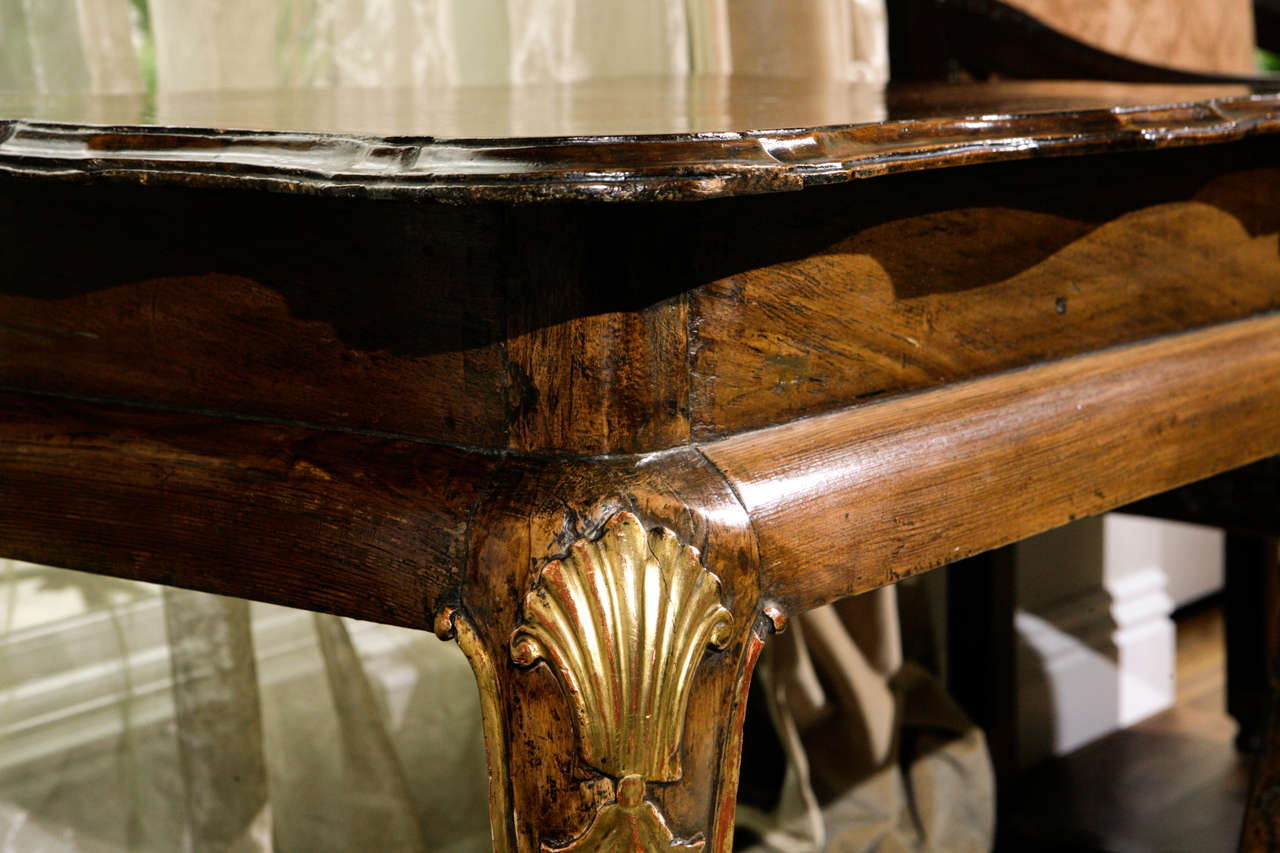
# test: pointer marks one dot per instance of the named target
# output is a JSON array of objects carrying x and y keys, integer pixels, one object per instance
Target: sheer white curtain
[
  {"x": 136, "y": 719},
  {"x": 249, "y": 43},
  {"x": 147, "y": 720},
  {"x": 96, "y": 45},
  {"x": 68, "y": 46}
]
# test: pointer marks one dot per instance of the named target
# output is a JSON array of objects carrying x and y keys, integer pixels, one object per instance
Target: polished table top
[{"x": 643, "y": 138}]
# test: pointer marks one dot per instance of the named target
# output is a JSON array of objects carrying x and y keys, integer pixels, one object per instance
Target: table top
[{"x": 626, "y": 139}]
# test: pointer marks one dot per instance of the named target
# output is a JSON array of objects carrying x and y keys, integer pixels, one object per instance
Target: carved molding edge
[
  {"x": 450, "y": 624},
  {"x": 623, "y": 622}
]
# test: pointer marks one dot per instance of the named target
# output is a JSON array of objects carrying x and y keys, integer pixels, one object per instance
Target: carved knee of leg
[{"x": 614, "y": 654}]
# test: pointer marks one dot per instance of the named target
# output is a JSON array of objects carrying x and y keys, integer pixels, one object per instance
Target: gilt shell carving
[
  {"x": 629, "y": 824},
  {"x": 624, "y": 621}
]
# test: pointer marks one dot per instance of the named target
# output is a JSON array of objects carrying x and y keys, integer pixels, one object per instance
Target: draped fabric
[
  {"x": 139, "y": 719},
  {"x": 878, "y": 757},
  {"x": 101, "y": 45},
  {"x": 151, "y": 721},
  {"x": 479, "y": 42},
  {"x": 68, "y": 46}
]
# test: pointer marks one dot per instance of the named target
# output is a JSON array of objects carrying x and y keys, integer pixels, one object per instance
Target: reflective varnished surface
[{"x": 650, "y": 138}]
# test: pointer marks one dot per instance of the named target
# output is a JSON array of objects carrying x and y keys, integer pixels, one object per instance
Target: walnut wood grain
[
  {"x": 849, "y": 501},
  {"x": 919, "y": 280},
  {"x": 374, "y": 317},
  {"x": 1183, "y": 41},
  {"x": 363, "y": 527},
  {"x": 538, "y": 509},
  {"x": 924, "y": 472},
  {"x": 621, "y": 328},
  {"x": 645, "y": 139},
  {"x": 1199, "y": 35},
  {"x": 478, "y": 325}
]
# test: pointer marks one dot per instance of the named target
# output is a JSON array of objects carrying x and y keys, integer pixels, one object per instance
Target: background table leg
[{"x": 1252, "y": 611}]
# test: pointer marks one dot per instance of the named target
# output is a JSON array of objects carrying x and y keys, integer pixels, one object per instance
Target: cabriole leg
[{"x": 613, "y": 644}]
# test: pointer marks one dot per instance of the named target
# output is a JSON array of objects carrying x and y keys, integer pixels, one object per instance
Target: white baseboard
[
  {"x": 1094, "y": 663},
  {"x": 1191, "y": 556}
]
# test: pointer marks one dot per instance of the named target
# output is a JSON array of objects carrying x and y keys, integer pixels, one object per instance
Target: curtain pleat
[
  {"x": 380, "y": 812},
  {"x": 152, "y": 721},
  {"x": 52, "y": 46},
  {"x": 879, "y": 758},
  {"x": 67, "y": 46},
  {"x": 218, "y": 723}
]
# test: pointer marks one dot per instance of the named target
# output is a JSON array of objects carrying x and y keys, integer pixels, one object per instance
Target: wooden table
[{"x": 606, "y": 380}]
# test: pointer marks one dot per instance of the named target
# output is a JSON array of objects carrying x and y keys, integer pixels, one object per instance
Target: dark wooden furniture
[
  {"x": 1153, "y": 41},
  {"x": 498, "y": 361},
  {"x": 1246, "y": 503}
]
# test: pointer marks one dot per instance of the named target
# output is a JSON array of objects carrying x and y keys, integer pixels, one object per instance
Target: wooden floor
[{"x": 1172, "y": 784}]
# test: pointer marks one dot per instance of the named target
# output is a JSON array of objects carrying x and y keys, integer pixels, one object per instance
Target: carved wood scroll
[{"x": 623, "y": 622}]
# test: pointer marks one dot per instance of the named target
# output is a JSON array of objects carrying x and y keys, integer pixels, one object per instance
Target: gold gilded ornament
[
  {"x": 630, "y": 823},
  {"x": 623, "y": 622}
]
